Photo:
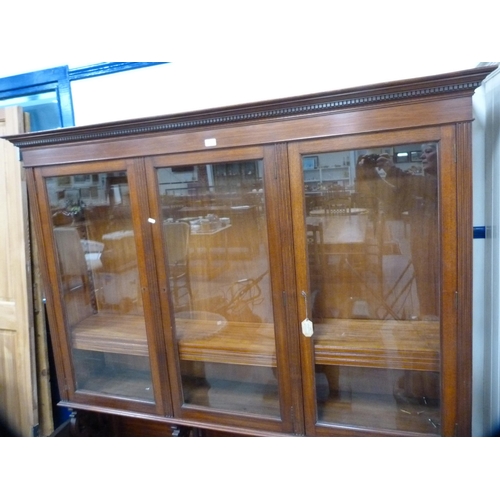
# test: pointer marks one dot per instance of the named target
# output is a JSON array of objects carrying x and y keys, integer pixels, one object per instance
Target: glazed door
[
  {"x": 220, "y": 261},
  {"x": 375, "y": 218},
  {"x": 101, "y": 286}
]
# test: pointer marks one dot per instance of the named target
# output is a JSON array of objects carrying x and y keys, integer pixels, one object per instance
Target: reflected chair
[
  {"x": 315, "y": 246},
  {"x": 335, "y": 203},
  {"x": 75, "y": 279},
  {"x": 71, "y": 258},
  {"x": 383, "y": 286},
  {"x": 176, "y": 236},
  {"x": 387, "y": 291}
]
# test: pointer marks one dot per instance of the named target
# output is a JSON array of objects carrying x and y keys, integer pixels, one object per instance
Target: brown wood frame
[{"x": 452, "y": 332}]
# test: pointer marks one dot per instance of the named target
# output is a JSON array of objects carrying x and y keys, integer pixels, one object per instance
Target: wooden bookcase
[{"x": 209, "y": 328}]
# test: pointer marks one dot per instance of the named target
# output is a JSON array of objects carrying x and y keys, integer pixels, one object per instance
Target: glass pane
[
  {"x": 100, "y": 283},
  {"x": 216, "y": 243},
  {"x": 373, "y": 257},
  {"x": 43, "y": 109}
]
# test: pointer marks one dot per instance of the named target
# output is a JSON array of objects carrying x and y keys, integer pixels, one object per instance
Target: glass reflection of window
[
  {"x": 44, "y": 95},
  {"x": 43, "y": 110}
]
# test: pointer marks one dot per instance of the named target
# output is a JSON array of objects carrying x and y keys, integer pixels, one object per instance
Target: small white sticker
[
  {"x": 151, "y": 221},
  {"x": 210, "y": 143},
  {"x": 307, "y": 328}
]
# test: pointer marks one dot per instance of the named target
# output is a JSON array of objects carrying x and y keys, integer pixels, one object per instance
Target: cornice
[{"x": 464, "y": 82}]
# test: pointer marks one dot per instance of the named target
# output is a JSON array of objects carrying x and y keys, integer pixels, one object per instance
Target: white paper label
[
  {"x": 307, "y": 328},
  {"x": 151, "y": 220},
  {"x": 210, "y": 143}
]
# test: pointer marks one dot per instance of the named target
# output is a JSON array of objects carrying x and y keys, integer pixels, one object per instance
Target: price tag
[{"x": 307, "y": 328}]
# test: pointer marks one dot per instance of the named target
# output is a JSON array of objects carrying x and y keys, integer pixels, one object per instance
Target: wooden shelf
[
  {"x": 114, "y": 333},
  {"x": 382, "y": 411},
  {"x": 406, "y": 345},
  {"x": 238, "y": 343}
]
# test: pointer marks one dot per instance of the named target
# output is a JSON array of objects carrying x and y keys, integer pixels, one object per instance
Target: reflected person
[
  {"x": 367, "y": 183},
  {"x": 391, "y": 186},
  {"x": 423, "y": 216}
]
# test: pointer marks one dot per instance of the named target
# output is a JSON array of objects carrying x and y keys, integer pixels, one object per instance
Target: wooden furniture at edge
[
  {"x": 404, "y": 112},
  {"x": 25, "y": 400}
]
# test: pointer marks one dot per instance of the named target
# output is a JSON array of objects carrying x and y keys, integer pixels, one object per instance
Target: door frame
[{"x": 455, "y": 329}]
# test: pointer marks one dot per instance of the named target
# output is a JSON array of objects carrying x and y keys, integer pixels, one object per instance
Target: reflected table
[{"x": 342, "y": 234}]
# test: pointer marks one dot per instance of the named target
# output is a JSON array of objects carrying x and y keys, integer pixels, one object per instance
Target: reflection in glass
[
  {"x": 373, "y": 252},
  {"x": 96, "y": 253},
  {"x": 215, "y": 235}
]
